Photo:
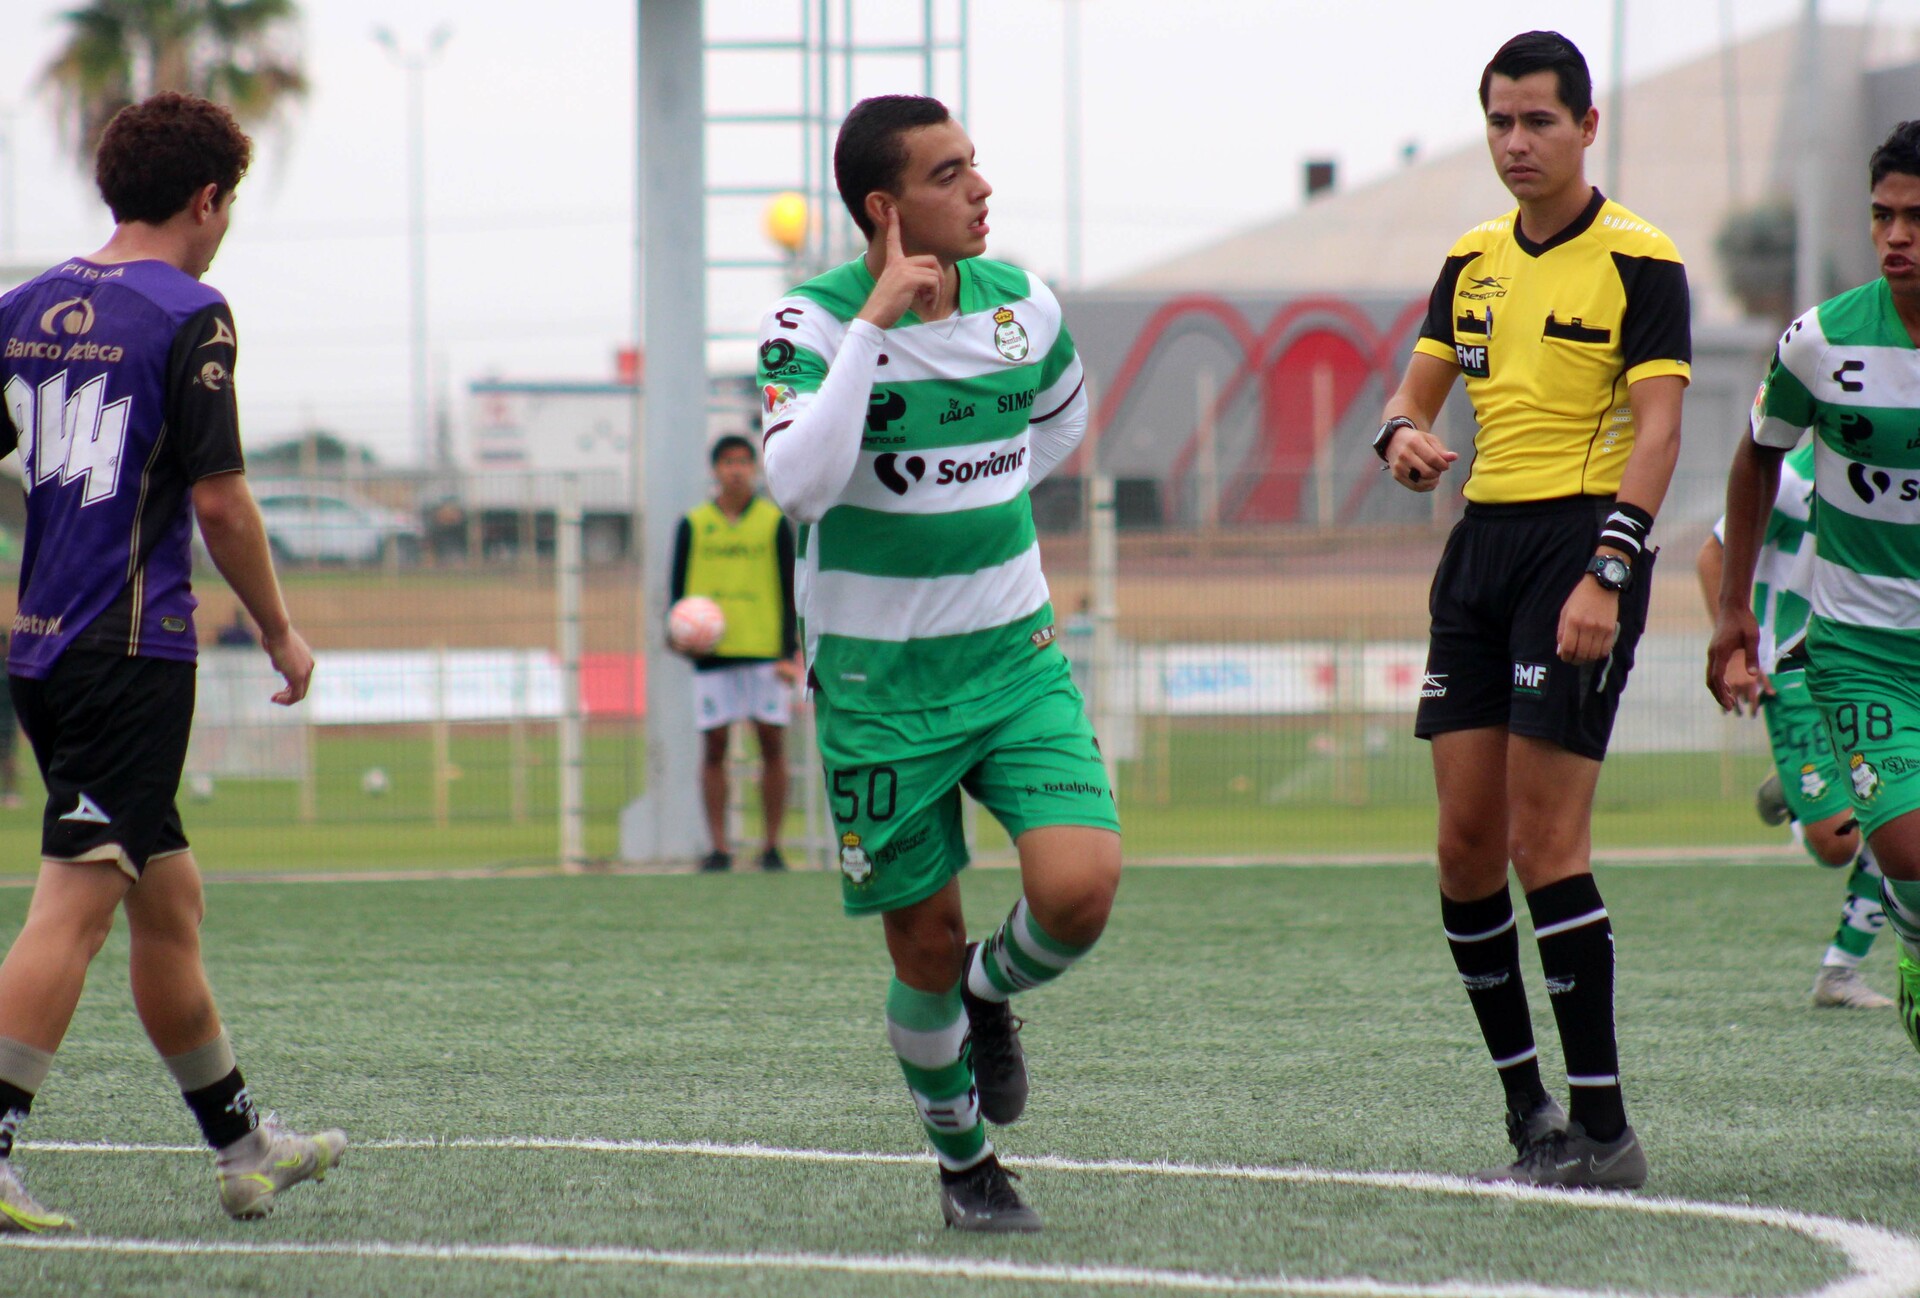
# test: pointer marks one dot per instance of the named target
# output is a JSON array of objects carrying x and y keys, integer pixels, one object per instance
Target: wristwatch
[
  {"x": 1387, "y": 430},
  {"x": 1611, "y": 571}
]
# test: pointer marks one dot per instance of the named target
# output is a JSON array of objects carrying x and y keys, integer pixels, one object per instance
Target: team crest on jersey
[
  {"x": 1866, "y": 780},
  {"x": 853, "y": 860},
  {"x": 211, "y": 376},
  {"x": 1812, "y": 786},
  {"x": 1009, "y": 336}
]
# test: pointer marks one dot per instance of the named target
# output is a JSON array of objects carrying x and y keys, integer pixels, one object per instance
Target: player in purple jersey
[{"x": 116, "y": 371}]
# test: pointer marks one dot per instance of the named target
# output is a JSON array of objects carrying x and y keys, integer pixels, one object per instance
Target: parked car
[{"x": 309, "y": 524}]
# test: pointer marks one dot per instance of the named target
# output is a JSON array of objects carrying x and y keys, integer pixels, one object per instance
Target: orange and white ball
[{"x": 695, "y": 625}]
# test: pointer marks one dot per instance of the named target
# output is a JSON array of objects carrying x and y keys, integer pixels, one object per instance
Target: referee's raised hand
[
  {"x": 1418, "y": 458},
  {"x": 905, "y": 282}
]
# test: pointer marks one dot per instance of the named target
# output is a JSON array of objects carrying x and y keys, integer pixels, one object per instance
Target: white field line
[{"x": 1885, "y": 1264}]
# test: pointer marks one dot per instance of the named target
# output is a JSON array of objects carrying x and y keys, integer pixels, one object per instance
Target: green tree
[{"x": 241, "y": 53}]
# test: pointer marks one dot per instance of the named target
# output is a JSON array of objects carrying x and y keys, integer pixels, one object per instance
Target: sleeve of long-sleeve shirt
[
  {"x": 816, "y": 377},
  {"x": 682, "y": 550}
]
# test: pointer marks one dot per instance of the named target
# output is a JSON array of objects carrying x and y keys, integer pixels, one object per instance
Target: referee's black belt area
[{"x": 1571, "y": 506}]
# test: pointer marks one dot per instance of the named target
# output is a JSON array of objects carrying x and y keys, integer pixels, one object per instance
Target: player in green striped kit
[
  {"x": 910, "y": 398},
  {"x": 1807, "y": 783},
  {"x": 1850, "y": 371}
]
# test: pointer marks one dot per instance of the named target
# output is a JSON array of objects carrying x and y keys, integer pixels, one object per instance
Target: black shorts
[
  {"x": 110, "y": 735},
  {"x": 1496, "y": 600}
]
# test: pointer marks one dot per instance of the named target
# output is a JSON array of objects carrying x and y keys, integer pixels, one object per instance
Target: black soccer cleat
[
  {"x": 772, "y": 862},
  {"x": 999, "y": 1064},
  {"x": 982, "y": 1198},
  {"x": 1526, "y": 1131},
  {"x": 715, "y": 862},
  {"x": 1573, "y": 1160}
]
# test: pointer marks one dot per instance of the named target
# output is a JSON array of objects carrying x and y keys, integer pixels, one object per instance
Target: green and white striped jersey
[
  {"x": 919, "y": 585},
  {"x": 1848, "y": 370},
  {"x": 1783, "y": 570}
]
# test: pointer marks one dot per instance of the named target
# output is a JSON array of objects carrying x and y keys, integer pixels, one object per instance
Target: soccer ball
[
  {"x": 374, "y": 783},
  {"x": 200, "y": 786},
  {"x": 695, "y": 625}
]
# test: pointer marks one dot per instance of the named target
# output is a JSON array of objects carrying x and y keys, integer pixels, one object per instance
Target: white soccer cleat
[
  {"x": 273, "y": 1160},
  {"x": 1844, "y": 988}
]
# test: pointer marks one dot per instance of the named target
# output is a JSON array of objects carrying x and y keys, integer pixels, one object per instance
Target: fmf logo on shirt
[
  {"x": 1473, "y": 360},
  {"x": 1530, "y": 677}
]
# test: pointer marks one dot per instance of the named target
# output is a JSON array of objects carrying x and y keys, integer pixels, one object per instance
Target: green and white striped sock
[
  {"x": 928, "y": 1031},
  {"x": 1019, "y": 957},
  {"x": 1861, "y": 916},
  {"x": 1902, "y": 900}
]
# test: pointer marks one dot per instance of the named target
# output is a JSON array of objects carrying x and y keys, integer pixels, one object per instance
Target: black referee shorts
[
  {"x": 1495, "y": 605},
  {"x": 110, "y": 735}
]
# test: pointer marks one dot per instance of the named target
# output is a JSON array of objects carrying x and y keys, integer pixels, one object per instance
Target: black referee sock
[
  {"x": 1486, "y": 950},
  {"x": 15, "y": 1104},
  {"x": 1576, "y": 954}
]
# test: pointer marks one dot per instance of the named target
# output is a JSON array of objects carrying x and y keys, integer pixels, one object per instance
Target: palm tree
[{"x": 240, "y": 53}]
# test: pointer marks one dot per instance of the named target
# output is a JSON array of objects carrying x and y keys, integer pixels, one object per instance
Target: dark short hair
[
  {"x": 1531, "y": 52},
  {"x": 1899, "y": 152},
  {"x": 870, "y": 154},
  {"x": 157, "y": 154},
  {"x": 730, "y": 442}
]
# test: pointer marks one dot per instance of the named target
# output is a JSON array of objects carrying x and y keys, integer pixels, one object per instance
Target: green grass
[{"x": 1255, "y": 1016}]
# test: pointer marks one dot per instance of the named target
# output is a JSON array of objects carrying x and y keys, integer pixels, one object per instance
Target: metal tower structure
[{"x": 781, "y": 77}]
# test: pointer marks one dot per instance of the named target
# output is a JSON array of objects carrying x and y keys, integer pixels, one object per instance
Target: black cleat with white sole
[{"x": 982, "y": 1198}]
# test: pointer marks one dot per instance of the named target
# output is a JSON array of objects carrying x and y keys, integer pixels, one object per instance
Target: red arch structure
[{"x": 1307, "y": 335}]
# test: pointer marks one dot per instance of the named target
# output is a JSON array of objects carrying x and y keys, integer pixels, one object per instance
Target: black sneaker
[
  {"x": 1573, "y": 1160},
  {"x": 715, "y": 862},
  {"x": 1526, "y": 1131},
  {"x": 982, "y": 1198},
  {"x": 772, "y": 862},
  {"x": 999, "y": 1064}
]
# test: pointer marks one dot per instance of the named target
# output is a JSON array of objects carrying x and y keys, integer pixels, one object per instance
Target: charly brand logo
[
  {"x": 72, "y": 317},
  {"x": 887, "y": 468},
  {"x": 1009, "y": 336}
]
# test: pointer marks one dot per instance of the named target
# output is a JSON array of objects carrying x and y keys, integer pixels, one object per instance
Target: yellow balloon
[{"x": 786, "y": 220}]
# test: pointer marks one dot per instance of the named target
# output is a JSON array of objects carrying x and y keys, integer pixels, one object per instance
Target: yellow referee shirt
[{"x": 1548, "y": 336}]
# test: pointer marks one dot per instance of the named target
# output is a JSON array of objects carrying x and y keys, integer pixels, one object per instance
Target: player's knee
[
  {"x": 1831, "y": 847},
  {"x": 1072, "y": 906},
  {"x": 84, "y": 932}
]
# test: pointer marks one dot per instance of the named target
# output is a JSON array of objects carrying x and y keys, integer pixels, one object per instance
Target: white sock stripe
[
  {"x": 1479, "y": 937},
  {"x": 1598, "y": 1079},
  {"x": 1037, "y": 954},
  {"x": 1591, "y": 917},
  {"x": 961, "y": 1113},
  {"x": 928, "y": 1049},
  {"x": 1531, "y": 1052}
]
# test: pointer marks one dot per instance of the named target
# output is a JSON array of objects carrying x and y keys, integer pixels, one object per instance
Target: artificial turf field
[{"x": 1272, "y": 1027}]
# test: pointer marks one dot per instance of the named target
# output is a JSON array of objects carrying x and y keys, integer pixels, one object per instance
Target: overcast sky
[{"x": 1198, "y": 116}]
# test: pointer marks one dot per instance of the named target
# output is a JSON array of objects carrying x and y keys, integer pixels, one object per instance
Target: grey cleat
[
  {"x": 1844, "y": 988},
  {"x": 982, "y": 1198},
  {"x": 999, "y": 1064},
  {"x": 20, "y": 1212},
  {"x": 254, "y": 1170},
  {"x": 1573, "y": 1160},
  {"x": 1770, "y": 802},
  {"x": 1527, "y": 1130}
]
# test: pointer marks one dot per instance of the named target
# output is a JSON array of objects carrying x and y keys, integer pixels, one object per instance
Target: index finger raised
[{"x": 894, "y": 251}]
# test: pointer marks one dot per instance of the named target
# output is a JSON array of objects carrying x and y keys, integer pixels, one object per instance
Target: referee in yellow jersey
[{"x": 1568, "y": 319}]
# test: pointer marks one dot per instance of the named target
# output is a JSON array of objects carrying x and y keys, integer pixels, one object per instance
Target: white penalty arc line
[{"x": 1885, "y": 1264}]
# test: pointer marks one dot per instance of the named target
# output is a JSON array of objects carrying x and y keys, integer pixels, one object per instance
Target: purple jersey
[{"x": 117, "y": 387}]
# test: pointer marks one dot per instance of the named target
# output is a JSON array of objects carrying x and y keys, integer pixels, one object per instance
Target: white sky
[{"x": 1198, "y": 115}]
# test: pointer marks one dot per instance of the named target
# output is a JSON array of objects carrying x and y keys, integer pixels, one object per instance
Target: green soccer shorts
[
  {"x": 1872, "y": 708},
  {"x": 1810, "y": 776},
  {"x": 1026, "y": 752}
]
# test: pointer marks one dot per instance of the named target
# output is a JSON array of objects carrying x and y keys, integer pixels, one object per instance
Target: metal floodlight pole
[
  {"x": 664, "y": 824},
  {"x": 1616, "y": 133},
  {"x": 1809, "y": 196},
  {"x": 1070, "y": 87},
  {"x": 415, "y": 64}
]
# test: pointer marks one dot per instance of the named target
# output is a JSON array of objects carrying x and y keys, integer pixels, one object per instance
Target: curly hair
[
  {"x": 156, "y": 154},
  {"x": 1899, "y": 152}
]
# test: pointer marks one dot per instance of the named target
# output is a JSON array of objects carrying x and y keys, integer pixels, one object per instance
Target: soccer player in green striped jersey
[
  {"x": 1808, "y": 783},
  {"x": 910, "y": 399},
  {"x": 1850, "y": 371}
]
